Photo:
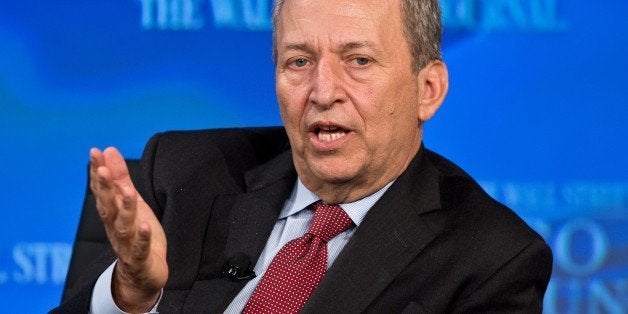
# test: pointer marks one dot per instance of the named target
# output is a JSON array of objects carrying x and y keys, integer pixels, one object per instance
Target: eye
[
  {"x": 362, "y": 61},
  {"x": 300, "y": 62}
]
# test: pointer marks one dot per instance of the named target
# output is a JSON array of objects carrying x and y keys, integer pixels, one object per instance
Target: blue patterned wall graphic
[{"x": 536, "y": 112}]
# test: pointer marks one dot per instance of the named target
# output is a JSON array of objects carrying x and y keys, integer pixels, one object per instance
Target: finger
[
  {"x": 115, "y": 161},
  {"x": 96, "y": 159},
  {"x": 124, "y": 224},
  {"x": 105, "y": 196}
]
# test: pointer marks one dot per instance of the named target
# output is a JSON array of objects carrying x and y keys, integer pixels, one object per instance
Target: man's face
[{"x": 347, "y": 94}]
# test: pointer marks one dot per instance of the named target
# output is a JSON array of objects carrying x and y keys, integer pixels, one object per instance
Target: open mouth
[
  {"x": 330, "y": 133},
  {"x": 326, "y": 136}
]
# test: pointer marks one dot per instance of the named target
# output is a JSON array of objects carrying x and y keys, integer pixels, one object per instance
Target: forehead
[{"x": 338, "y": 21}]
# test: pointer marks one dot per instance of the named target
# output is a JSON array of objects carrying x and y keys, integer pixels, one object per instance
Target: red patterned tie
[{"x": 299, "y": 266}]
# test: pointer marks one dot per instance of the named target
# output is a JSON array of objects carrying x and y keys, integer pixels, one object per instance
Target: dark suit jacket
[{"x": 434, "y": 243}]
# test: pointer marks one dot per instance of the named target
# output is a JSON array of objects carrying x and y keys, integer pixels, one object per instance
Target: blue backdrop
[{"x": 536, "y": 112}]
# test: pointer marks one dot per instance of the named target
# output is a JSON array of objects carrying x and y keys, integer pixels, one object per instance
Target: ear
[{"x": 433, "y": 82}]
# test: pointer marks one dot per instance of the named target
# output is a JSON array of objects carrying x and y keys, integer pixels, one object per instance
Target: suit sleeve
[{"x": 517, "y": 286}]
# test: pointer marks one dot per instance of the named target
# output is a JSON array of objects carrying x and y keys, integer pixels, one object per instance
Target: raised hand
[{"x": 133, "y": 231}]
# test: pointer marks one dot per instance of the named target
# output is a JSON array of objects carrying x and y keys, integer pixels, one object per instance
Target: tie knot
[{"x": 329, "y": 221}]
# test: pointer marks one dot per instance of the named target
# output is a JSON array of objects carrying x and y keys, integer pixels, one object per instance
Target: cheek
[
  {"x": 388, "y": 118},
  {"x": 291, "y": 112},
  {"x": 293, "y": 101},
  {"x": 291, "y": 108},
  {"x": 287, "y": 104},
  {"x": 377, "y": 109}
]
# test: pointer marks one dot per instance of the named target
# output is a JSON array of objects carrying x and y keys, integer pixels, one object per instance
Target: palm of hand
[{"x": 134, "y": 232}]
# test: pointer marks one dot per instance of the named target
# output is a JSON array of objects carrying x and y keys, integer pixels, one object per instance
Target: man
[{"x": 355, "y": 80}]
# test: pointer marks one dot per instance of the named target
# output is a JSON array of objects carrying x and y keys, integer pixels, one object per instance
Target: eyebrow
[
  {"x": 343, "y": 48},
  {"x": 297, "y": 47},
  {"x": 357, "y": 45}
]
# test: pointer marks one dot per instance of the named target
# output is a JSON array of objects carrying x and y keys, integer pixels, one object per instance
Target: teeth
[{"x": 329, "y": 137}]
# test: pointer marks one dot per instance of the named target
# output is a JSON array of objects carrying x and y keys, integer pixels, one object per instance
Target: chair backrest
[{"x": 91, "y": 239}]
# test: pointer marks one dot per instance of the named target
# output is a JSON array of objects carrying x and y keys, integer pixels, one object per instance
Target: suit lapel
[
  {"x": 252, "y": 217},
  {"x": 390, "y": 236},
  {"x": 255, "y": 212}
]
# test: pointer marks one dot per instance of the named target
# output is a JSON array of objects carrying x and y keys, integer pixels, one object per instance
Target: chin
[
  {"x": 335, "y": 168},
  {"x": 333, "y": 174}
]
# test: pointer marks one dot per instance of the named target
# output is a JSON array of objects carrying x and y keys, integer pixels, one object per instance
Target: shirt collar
[{"x": 302, "y": 197}]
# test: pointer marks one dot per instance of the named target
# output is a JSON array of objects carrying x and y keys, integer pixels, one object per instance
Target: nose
[{"x": 327, "y": 87}]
